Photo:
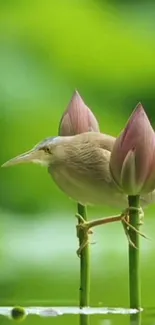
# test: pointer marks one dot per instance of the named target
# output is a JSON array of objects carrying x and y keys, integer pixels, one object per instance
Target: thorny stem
[{"x": 84, "y": 269}]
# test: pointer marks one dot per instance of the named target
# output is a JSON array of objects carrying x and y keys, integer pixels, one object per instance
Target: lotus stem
[
  {"x": 134, "y": 254},
  {"x": 84, "y": 270}
]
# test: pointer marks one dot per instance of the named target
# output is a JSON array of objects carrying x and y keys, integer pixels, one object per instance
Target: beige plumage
[{"x": 79, "y": 165}]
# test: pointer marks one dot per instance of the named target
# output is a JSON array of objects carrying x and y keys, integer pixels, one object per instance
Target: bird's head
[{"x": 42, "y": 153}]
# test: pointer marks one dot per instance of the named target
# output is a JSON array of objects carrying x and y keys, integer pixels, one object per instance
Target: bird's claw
[
  {"x": 83, "y": 225},
  {"x": 83, "y": 232},
  {"x": 127, "y": 225},
  {"x": 127, "y": 235}
]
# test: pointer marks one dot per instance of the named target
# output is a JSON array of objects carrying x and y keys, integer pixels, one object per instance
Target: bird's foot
[
  {"x": 126, "y": 223},
  {"x": 84, "y": 228},
  {"x": 141, "y": 217},
  {"x": 83, "y": 232}
]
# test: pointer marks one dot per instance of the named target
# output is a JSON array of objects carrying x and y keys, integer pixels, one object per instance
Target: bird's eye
[{"x": 47, "y": 149}]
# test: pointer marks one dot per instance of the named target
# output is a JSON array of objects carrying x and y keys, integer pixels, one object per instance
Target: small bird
[{"x": 79, "y": 165}]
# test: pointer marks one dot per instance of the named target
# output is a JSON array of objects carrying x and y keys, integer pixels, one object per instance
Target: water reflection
[
  {"x": 17, "y": 312},
  {"x": 68, "y": 315}
]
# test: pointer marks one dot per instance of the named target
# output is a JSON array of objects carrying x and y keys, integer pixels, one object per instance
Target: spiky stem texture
[{"x": 84, "y": 270}]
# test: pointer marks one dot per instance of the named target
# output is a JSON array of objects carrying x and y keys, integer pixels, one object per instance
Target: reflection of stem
[
  {"x": 135, "y": 319},
  {"x": 134, "y": 264},
  {"x": 84, "y": 270}
]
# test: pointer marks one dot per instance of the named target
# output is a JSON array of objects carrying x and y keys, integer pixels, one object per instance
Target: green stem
[
  {"x": 135, "y": 319},
  {"x": 84, "y": 270},
  {"x": 134, "y": 263}
]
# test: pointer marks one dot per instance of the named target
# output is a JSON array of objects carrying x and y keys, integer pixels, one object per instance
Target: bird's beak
[{"x": 27, "y": 157}]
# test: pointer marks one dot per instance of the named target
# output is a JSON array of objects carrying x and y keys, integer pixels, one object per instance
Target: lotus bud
[
  {"x": 132, "y": 162},
  {"x": 78, "y": 118}
]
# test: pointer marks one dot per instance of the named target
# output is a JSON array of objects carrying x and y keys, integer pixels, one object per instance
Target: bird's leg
[{"x": 86, "y": 227}]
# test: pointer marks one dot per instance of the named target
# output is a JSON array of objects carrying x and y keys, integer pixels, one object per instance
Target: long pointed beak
[{"x": 26, "y": 157}]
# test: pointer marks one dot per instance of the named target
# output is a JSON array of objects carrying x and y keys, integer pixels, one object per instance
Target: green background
[{"x": 106, "y": 50}]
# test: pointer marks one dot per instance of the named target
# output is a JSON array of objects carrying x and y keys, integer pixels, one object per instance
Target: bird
[{"x": 79, "y": 165}]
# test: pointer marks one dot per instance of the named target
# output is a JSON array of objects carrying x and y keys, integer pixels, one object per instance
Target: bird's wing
[
  {"x": 96, "y": 139},
  {"x": 89, "y": 154}
]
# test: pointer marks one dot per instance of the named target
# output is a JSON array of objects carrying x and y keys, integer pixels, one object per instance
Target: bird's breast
[{"x": 86, "y": 190}]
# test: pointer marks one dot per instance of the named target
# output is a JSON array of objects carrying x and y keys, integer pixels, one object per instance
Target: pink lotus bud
[
  {"x": 132, "y": 162},
  {"x": 78, "y": 118}
]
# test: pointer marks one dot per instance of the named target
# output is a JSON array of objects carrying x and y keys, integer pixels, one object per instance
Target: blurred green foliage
[{"x": 106, "y": 50}]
